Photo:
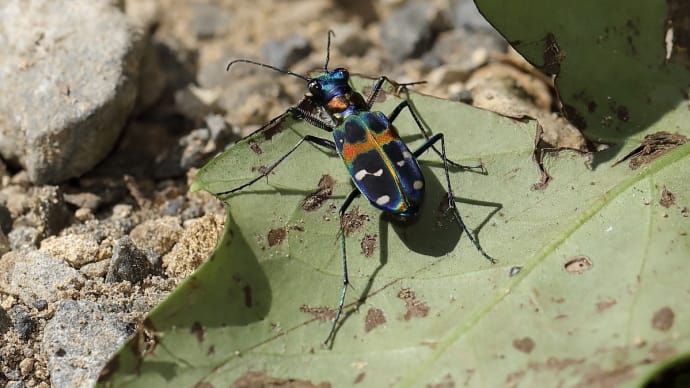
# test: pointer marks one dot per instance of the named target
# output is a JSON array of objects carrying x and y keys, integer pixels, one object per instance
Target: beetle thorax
[{"x": 343, "y": 105}]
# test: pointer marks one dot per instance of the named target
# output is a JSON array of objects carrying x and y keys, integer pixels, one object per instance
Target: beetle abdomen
[{"x": 380, "y": 164}]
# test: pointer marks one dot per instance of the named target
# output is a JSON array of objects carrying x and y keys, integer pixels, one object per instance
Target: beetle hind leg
[
  {"x": 449, "y": 190},
  {"x": 346, "y": 281}
]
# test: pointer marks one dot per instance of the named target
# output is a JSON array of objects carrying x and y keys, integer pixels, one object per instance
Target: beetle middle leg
[
  {"x": 451, "y": 199},
  {"x": 405, "y": 104}
]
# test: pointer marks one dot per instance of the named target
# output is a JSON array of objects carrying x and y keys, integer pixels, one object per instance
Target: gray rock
[
  {"x": 410, "y": 31},
  {"x": 78, "y": 62},
  {"x": 464, "y": 50},
  {"x": 45, "y": 214},
  {"x": 48, "y": 211},
  {"x": 465, "y": 15},
  {"x": 23, "y": 238},
  {"x": 15, "y": 384},
  {"x": 33, "y": 276},
  {"x": 41, "y": 304},
  {"x": 152, "y": 79},
  {"x": 84, "y": 200},
  {"x": 5, "y": 219},
  {"x": 24, "y": 323},
  {"x": 5, "y": 321},
  {"x": 286, "y": 52},
  {"x": 209, "y": 20},
  {"x": 158, "y": 235},
  {"x": 194, "y": 210},
  {"x": 95, "y": 270},
  {"x": 194, "y": 149},
  {"x": 351, "y": 40},
  {"x": 128, "y": 263},
  {"x": 78, "y": 341},
  {"x": 4, "y": 243}
]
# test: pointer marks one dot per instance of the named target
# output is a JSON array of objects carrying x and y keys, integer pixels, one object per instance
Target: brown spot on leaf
[
  {"x": 254, "y": 146},
  {"x": 653, "y": 146},
  {"x": 352, "y": 221},
  {"x": 247, "y": 291},
  {"x": 541, "y": 149},
  {"x": 260, "y": 379},
  {"x": 615, "y": 377},
  {"x": 663, "y": 319},
  {"x": 198, "y": 331},
  {"x": 685, "y": 212},
  {"x": 622, "y": 113},
  {"x": 578, "y": 264},
  {"x": 368, "y": 244},
  {"x": 321, "y": 313},
  {"x": 552, "y": 55},
  {"x": 203, "y": 384},
  {"x": 591, "y": 107},
  {"x": 667, "y": 198},
  {"x": 272, "y": 128},
  {"x": 446, "y": 382},
  {"x": 261, "y": 169},
  {"x": 276, "y": 236},
  {"x": 575, "y": 118},
  {"x": 374, "y": 318},
  {"x": 359, "y": 378},
  {"x": 605, "y": 305},
  {"x": 525, "y": 345},
  {"x": 316, "y": 199},
  {"x": 661, "y": 351},
  {"x": 415, "y": 307}
]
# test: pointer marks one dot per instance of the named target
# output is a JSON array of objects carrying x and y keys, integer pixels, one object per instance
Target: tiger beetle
[{"x": 380, "y": 164}]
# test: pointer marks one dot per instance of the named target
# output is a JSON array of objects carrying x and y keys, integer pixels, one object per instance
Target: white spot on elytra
[
  {"x": 400, "y": 163},
  {"x": 359, "y": 175},
  {"x": 382, "y": 200},
  {"x": 417, "y": 185},
  {"x": 406, "y": 154}
]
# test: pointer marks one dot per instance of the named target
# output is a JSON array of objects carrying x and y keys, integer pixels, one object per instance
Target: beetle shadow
[{"x": 433, "y": 232}]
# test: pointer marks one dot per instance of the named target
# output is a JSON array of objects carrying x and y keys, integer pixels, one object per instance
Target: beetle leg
[
  {"x": 346, "y": 282},
  {"x": 376, "y": 89},
  {"x": 405, "y": 104},
  {"x": 312, "y": 139},
  {"x": 451, "y": 199}
]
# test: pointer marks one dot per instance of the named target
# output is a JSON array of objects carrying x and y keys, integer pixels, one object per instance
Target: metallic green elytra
[{"x": 381, "y": 166}]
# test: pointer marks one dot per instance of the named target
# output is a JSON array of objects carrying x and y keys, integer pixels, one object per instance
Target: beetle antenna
[
  {"x": 328, "y": 50},
  {"x": 288, "y": 72}
]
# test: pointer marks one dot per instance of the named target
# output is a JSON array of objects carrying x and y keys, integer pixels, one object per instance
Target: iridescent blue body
[{"x": 382, "y": 168}]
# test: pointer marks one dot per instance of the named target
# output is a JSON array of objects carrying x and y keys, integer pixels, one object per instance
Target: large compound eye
[
  {"x": 344, "y": 74},
  {"x": 314, "y": 88}
]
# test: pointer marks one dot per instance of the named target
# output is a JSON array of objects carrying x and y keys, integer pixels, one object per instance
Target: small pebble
[
  {"x": 128, "y": 263},
  {"x": 24, "y": 324}
]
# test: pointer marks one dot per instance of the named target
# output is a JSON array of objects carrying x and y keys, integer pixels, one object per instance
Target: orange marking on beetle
[
  {"x": 350, "y": 150},
  {"x": 385, "y": 137},
  {"x": 336, "y": 104}
]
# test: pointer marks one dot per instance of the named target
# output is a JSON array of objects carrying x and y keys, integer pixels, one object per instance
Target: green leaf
[
  {"x": 600, "y": 296},
  {"x": 622, "y": 68}
]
